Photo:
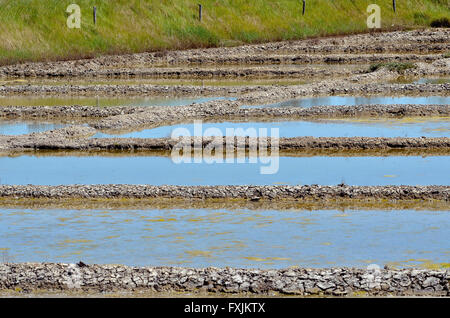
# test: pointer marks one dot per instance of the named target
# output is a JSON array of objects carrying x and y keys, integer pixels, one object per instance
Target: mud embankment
[
  {"x": 128, "y": 117},
  {"x": 76, "y": 111},
  {"x": 77, "y": 141},
  {"x": 212, "y": 111},
  {"x": 254, "y": 204},
  {"x": 28, "y": 277},
  {"x": 244, "y": 94},
  {"x": 399, "y": 46}
]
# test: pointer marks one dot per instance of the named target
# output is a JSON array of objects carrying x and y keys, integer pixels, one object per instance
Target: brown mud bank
[
  {"x": 274, "y": 71},
  {"x": 129, "y": 118},
  {"x": 73, "y": 139},
  {"x": 118, "y": 203},
  {"x": 400, "y": 46},
  {"x": 248, "y": 192},
  {"x": 226, "y": 110},
  {"x": 28, "y": 277},
  {"x": 245, "y": 94},
  {"x": 149, "y": 71},
  {"x": 327, "y": 88},
  {"x": 239, "y": 153}
]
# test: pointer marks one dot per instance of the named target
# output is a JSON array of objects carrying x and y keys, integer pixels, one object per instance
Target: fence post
[
  {"x": 304, "y": 6},
  {"x": 200, "y": 12},
  {"x": 95, "y": 15},
  {"x": 394, "y": 5}
]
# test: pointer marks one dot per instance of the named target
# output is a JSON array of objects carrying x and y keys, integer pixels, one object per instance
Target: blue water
[
  {"x": 395, "y": 170},
  {"x": 27, "y": 127},
  {"x": 437, "y": 80},
  {"x": 240, "y": 238},
  {"x": 335, "y": 128},
  {"x": 323, "y": 128},
  {"x": 360, "y": 100}
]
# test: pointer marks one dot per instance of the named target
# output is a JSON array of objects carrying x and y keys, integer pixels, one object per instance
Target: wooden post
[
  {"x": 95, "y": 15},
  {"x": 200, "y": 12},
  {"x": 304, "y": 6},
  {"x": 394, "y": 5}
]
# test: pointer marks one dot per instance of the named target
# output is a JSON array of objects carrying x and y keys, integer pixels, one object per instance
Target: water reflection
[
  {"x": 360, "y": 100},
  {"x": 409, "y": 127}
]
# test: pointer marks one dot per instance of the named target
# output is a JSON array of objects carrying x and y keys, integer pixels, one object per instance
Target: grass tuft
[
  {"x": 440, "y": 23},
  {"x": 392, "y": 66}
]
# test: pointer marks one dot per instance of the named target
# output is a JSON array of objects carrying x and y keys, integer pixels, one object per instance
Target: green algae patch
[
  {"x": 419, "y": 264},
  {"x": 198, "y": 253},
  {"x": 266, "y": 259},
  {"x": 360, "y": 293}
]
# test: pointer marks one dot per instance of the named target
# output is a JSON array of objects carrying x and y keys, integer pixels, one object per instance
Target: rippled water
[
  {"x": 326, "y": 128},
  {"x": 240, "y": 238},
  {"x": 390, "y": 170}
]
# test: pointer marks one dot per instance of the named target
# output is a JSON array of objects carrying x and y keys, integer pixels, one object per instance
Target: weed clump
[
  {"x": 440, "y": 23},
  {"x": 392, "y": 66}
]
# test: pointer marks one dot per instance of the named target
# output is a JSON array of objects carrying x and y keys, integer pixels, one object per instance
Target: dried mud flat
[{"x": 332, "y": 66}]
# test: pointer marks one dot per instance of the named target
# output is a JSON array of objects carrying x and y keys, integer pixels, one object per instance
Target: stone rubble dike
[
  {"x": 294, "y": 281},
  {"x": 272, "y": 192}
]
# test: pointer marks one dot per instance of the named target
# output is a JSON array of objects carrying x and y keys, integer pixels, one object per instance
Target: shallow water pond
[
  {"x": 159, "y": 170},
  {"x": 423, "y": 80},
  {"x": 239, "y": 238},
  {"x": 409, "y": 127},
  {"x": 105, "y": 101},
  {"x": 360, "y": 100},
  {"x": 8, "y": 127},
  {"x": 439, "y": 80}
]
